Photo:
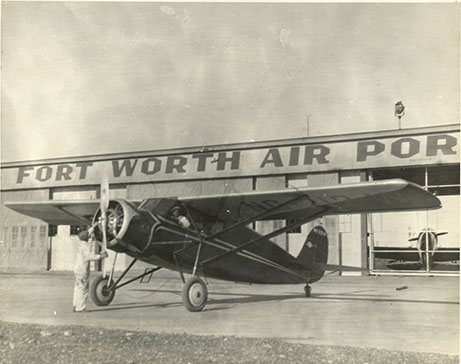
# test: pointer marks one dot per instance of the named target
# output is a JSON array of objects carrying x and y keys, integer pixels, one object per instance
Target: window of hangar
[{"x": 441, "y": 180}]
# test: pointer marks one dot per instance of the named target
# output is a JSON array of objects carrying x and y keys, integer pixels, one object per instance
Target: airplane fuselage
[{"x": 157, "y": 240}]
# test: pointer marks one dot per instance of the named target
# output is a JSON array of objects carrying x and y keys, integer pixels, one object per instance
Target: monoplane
[
  {"x": 211, "y": 236},
  {"x": 426, "y": 254}
]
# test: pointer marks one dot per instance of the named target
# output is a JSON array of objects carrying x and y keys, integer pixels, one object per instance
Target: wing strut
[
  {"x": 201, "y": 242},
  {"x": 256, "y": 217},
  {"x": 103, "y": 288},
  {"x": 244, "y": 222},
  {"x": 195, "y": 292},
  {"x": 267, "y": 236},
  {"x": 116, "y": 285}
]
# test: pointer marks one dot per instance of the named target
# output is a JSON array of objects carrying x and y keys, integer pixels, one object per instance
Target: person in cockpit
[{"x": 178, "y": 215}]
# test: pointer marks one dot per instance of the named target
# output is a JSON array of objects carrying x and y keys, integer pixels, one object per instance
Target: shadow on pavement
[
  {"x": 241, "y": 298},
  {"x": 349, "y": 297}
]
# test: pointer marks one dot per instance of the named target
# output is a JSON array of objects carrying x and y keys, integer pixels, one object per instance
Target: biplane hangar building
[{"x": 427, "y": 156}]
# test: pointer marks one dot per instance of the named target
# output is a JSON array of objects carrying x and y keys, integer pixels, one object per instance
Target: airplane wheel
[
  {"x": 100, "y": 294},
  {"x": 194, "y": 294},
  {"x": 307, "y": 290}
]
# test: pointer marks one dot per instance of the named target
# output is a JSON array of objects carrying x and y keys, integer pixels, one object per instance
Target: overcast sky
[{"x": 88, "y": 78}]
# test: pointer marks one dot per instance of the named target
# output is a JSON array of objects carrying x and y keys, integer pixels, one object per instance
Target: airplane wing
[
  {"x": 56, "y": 212},
  {"x": 388, "y": 195},
  {"x": 397, "y": 253},
  {"x": 414, "y": 255},
  {"x": 291, "y": 203}
]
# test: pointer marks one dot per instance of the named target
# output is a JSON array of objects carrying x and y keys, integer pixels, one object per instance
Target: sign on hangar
[{"x": 366, "y": 153}]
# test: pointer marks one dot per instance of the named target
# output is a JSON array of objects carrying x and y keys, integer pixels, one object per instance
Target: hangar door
[
  {"x": 397, "y": 240},
  {"x": 24, "y": 240}
]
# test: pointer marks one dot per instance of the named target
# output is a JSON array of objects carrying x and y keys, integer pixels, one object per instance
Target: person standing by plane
[{"x": 85, "y": 254}]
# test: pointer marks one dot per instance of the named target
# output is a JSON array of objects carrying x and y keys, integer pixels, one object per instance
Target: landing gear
[
  {"x": 307, "y": 290},
  {"x": 102, "y": 292},
  {"x": 194, "y": 291},
  {"x": 194, "y": 294}
]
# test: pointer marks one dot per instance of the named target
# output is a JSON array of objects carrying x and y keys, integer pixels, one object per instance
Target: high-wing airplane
[
  {"x": 215, "y": 241},
  {"x": 422, "y": 253}
]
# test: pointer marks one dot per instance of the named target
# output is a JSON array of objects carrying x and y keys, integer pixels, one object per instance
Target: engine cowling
[
  {"x": 427, "y": 245},
  {"x": 127, "y": 227}
]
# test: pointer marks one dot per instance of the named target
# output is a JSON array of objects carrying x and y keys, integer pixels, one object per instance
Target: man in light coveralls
[{"x": 85, "y": 254}]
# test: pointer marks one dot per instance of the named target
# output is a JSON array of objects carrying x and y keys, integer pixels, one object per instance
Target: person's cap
[{"x": 84, "y": 235}]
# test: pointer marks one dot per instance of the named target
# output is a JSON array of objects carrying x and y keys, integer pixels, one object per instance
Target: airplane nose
[{"x": 115, "y": 217}]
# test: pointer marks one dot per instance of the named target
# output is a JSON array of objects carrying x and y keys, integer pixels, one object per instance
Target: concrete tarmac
[{"x": 418, "y": 314}]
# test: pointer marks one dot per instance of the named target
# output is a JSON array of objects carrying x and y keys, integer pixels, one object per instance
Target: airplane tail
[{"x": 314, "y": 254}]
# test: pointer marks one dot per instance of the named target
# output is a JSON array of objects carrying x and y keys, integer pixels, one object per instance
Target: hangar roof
[{"x": 450, "y": 128}]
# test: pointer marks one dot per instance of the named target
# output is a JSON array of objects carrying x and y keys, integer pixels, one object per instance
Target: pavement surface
[{"x": 414, "y": 314}]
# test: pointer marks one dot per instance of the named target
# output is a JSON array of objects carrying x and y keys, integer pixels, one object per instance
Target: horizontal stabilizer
[
  {"x": 318, "y": 267},
  {"x": 423, "y": 232},
  {"x": 343, "y": 268}
]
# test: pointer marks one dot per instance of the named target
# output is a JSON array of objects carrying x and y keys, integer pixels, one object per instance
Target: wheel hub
[{"x": 196, "y": 294}]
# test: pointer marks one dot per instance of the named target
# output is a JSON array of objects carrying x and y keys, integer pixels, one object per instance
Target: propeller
[{"x": 104, "y": 205}]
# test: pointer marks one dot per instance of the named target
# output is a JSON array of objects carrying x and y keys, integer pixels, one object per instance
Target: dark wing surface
[
  {"x": 377, "y": 196},
  {"x": 291, "y": 203},
  {"x": 56, "y": 212}
]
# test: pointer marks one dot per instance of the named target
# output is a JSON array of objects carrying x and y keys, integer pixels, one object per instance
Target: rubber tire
[
  {"x": 307, "y": 290},
  {"x": 194, "y": 295},
  {"x": 99, "y": 295}
]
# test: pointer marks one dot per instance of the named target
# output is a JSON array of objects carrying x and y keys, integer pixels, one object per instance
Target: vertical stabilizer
[{"x": 314, "y": 254}]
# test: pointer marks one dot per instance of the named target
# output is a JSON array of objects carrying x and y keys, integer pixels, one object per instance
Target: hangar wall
[
  {"x": 25, "y": 242},
  {"x": 326, "y": 160}
]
